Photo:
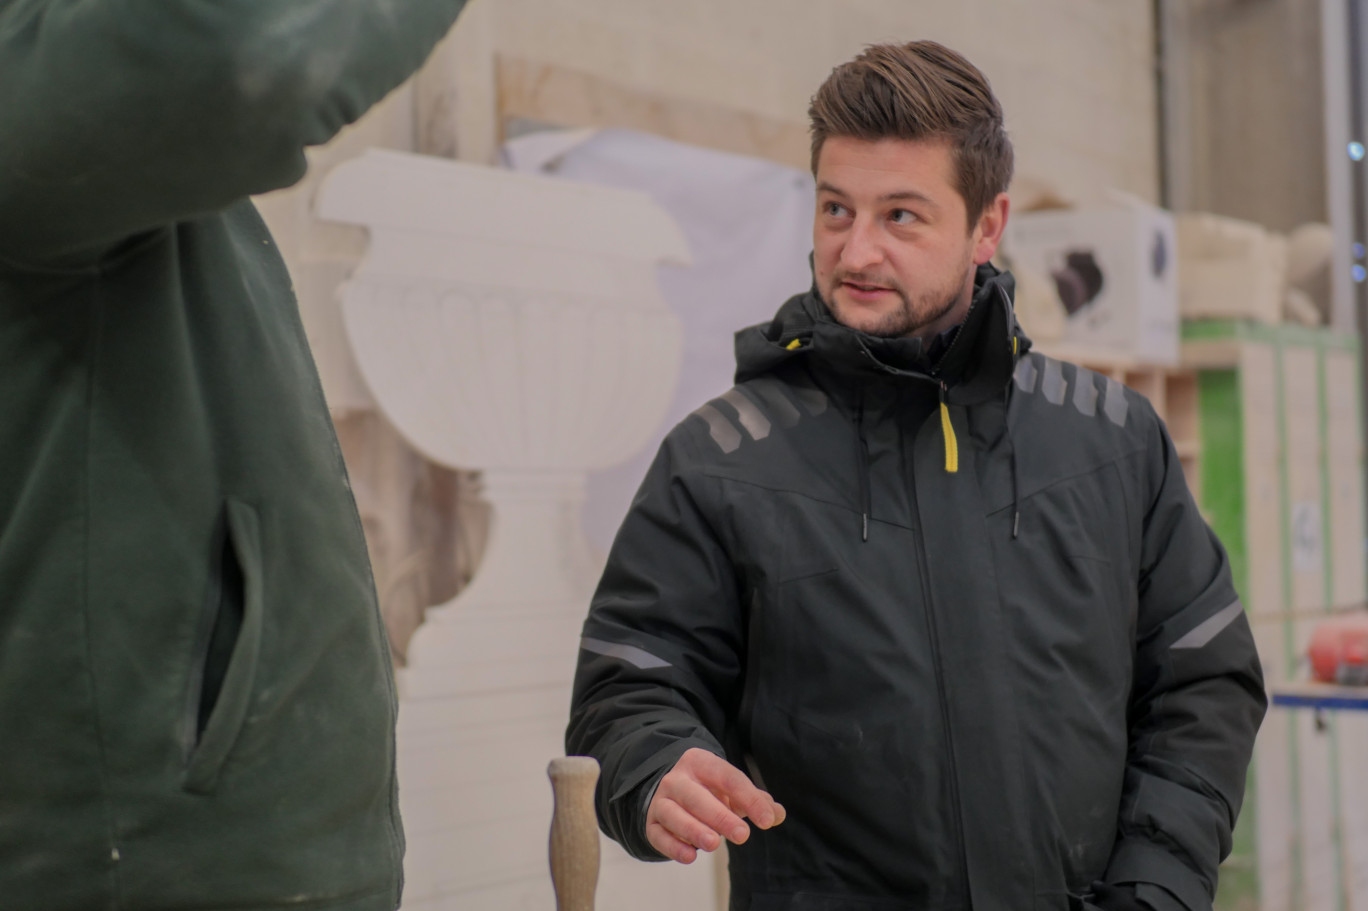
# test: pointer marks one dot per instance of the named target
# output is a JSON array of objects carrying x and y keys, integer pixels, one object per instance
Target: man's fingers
[
  {"x": 704, "y": 806},
  {"x": 702, "y": 800},
  {"x": 761, "y": 809},
  {"x": 680, "y": 822},
  {"x": 667, "y": 844},
  {"x": 744, "y": 798}
]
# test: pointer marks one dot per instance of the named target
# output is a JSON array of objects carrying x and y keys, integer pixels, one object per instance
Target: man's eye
[
  {"x": 835, "y": 209},
  {"x": 902, "y": 217}
]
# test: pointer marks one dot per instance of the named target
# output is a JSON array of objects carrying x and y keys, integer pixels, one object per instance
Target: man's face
[{"x": 893, "y": 252}]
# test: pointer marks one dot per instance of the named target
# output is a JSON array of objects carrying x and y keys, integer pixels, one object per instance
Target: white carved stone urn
[{"x": 512, "y": 324}]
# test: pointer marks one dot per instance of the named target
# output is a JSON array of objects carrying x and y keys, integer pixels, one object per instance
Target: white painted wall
[{"x": 1076, "y": 77}]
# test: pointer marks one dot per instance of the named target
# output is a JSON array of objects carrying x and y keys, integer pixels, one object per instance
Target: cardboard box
[{"x": 1114, "y": 272}]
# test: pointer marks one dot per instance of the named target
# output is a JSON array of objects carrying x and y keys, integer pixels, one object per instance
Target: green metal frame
[
  {"x": 1222, "y": 472},
  {"x": 1221, "y": 423}
]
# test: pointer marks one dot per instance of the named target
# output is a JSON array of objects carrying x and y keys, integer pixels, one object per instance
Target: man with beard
[
  {"x": 196, "y": 700},
  {"x": 936, "y": 614}
]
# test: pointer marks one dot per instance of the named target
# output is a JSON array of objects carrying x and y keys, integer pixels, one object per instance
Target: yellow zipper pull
[{"x": 951, "y": 444}]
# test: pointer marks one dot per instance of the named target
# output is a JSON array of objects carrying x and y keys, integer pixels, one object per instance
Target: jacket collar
[{"x": 975, "y": 365}]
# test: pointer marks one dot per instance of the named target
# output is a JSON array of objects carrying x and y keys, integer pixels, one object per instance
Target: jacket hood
[{"x": 975, "y": 365}]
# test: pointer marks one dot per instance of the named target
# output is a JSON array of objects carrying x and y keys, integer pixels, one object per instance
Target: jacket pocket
[{"x": 231, "y": 648}]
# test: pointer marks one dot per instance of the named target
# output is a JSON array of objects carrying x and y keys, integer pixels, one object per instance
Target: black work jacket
[{"x": 965, "y": 622}]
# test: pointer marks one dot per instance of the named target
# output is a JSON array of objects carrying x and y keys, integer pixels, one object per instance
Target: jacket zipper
[
  {"x": 942, "y": 394},
  {"x": 957, "y": 811},
  {"x": 956, "y": 808},
  {"x": 954, "y": 342}
]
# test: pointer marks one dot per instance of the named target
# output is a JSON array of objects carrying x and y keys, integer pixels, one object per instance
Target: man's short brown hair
[{"x": 920, "y": 91}]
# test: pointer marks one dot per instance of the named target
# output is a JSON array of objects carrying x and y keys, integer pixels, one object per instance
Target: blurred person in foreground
[
  {"x": 196, "y": 697},
  {"x": 941, "y": 606}
]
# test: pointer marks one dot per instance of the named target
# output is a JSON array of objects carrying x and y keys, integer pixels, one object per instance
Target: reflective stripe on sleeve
[
  {"x": 630, "y": 653},
  {"x": 1205, "y": 631}
]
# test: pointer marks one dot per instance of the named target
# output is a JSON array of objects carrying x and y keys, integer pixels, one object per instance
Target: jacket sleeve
[
  {"x": 1196, "y": 703},
  {"x": 660, "y": 660},
  {"x": 123, "y": 116}
]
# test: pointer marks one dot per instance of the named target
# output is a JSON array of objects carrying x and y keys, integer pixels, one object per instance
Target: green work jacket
[{"x": 196, "y": 701}]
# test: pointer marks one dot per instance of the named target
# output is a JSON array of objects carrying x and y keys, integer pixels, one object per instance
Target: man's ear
[{"x": 988, "y": 231}]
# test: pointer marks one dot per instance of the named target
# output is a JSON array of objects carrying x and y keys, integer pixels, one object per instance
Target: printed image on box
[
  {"x": 1114, "y": 274},
  {"x": 1078, "y": 280}
]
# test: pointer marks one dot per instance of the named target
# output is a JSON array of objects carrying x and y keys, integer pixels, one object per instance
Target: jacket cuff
[
  {"x": 1138, "y": 860},
  {"x": 634, "y": 805},
  {"x": 631, "y": 801}
]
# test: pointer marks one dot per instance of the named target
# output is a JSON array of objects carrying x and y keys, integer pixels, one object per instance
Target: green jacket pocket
[{"x": 226, "y": 686}]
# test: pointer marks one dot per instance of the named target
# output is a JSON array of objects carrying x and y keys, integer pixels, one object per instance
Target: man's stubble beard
[{"x": 910, "y": 317}]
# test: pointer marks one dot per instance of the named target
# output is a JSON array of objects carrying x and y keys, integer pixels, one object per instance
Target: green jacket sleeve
[
  {"x": 122, "y": 116},
  {"x": 661, "y": 655},
  {"x": 1196, "y": 703}
]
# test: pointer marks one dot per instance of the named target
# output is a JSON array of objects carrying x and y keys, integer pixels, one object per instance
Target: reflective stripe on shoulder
[
  {"x": 630, "y": 653},
  {"x": 1025, "y": 373},
  {"x": 770, "y": 393},
  {"x": 727, "y": 437},
  {"x": 1053, "y": 386},
  {"x": 755, "y": 422},
  {"x": 1115, "y": 405},
  {"x": 1085, "y": 391},
  {"x": 1205, "y": 631}
]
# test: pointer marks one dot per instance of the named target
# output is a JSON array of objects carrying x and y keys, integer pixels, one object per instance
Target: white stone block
[{"x": 1230, "y": 269}]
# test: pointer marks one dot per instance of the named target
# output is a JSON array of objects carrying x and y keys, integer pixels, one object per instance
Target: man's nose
[{"x": 862, "y": 249}]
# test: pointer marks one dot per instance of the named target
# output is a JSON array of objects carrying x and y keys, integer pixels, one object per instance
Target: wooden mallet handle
[{"x": 574, "y": 832}]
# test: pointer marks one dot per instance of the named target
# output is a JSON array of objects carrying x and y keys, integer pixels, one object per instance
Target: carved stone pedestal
[{"x": 510, "y": 324}]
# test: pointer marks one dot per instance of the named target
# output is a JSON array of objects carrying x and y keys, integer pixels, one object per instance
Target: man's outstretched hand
[{"x": 702, "y": 800}]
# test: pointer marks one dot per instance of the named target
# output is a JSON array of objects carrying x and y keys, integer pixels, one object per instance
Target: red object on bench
[{"x": 1339, "y": 651}]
